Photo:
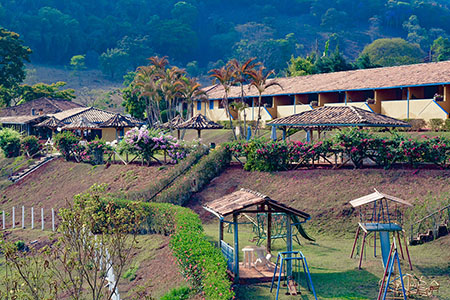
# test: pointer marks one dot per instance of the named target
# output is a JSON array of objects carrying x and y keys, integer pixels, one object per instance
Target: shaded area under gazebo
[
  {"x": 331, "y": 117},
  {"x": 173, "y": 124},
  {"x": 199, "y": 123},
  {"x": 243, "y": 202},
  {"x": 118, "y": 122}
]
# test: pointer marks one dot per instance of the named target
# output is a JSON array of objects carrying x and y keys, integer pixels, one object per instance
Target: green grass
[{"x": 335, "y": 275}]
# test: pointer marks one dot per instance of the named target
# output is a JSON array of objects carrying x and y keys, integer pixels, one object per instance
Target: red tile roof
[
  {"x": 41, "y": 106},
  {"x": 366, "y": 79}
]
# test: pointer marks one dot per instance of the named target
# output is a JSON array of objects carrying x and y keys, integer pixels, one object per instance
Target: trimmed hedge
[
  {"x": 200, "y": 262},
  {"x": 163, "y": 182},
  {"x": 195, "y": 179}
]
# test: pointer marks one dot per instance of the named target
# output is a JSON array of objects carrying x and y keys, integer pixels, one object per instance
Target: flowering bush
[
  {"x": 30, "y": 145},
  {"x": 93, "y": 152},
  {"x": 66, "y": 143},
  {"x": 147, "y": 142},
  {"x": 10, "y": 142}
]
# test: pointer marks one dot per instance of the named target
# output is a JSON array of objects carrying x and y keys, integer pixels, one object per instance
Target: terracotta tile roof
[
  {"x": 119, "y": 121},
  {"x": 81, "y": 123},
  {"x": 367, "y": 79},
  {"x": 199, "y": 122},
  {"x": 51, "y": 122},
  {"x": 91, "y": 114},
  {"x": 335, "y": 116},
  {"x": 68, "y": 113},
  {"x": 20, "y": 119},
  {"x": 245, "y": 198},
  {"x": 40, "y": 106}
]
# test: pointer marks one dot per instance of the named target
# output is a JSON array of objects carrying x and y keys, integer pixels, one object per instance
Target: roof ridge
[
  {"x": 263, "y": 196},
  {"x": 358, "y": 113}
]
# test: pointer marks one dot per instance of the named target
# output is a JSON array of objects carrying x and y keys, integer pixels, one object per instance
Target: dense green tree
[
  {"x": 13, "y": 55},
  {"x": 393, "y": 52},
  {"x": 138, "y": 49},
  {"x": 185, "y": 12},
  {"x": 27, "y": 92},
  {"x": 113, "y": 62},
  {"x": 441, "y": 49},
  {"x": 78, "y": 62},
  {"x": 299, "y": 66}
]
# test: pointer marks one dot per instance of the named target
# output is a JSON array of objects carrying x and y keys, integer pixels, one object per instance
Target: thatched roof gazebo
[
  {"x": 199, "y": 123},
  {"x": 329, "y": 117},
  {"x": 51, "y": 123},
  {"x": 173, "y": 124},
  {"x": 82, "y": 124}
]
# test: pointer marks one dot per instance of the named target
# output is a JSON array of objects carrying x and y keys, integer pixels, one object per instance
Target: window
[
  {"x": 221, "y": 104},
  {"x": 267, "y": 101},
  {"x": 211, "y": 104},
  {"x": 199, "y": 105}
]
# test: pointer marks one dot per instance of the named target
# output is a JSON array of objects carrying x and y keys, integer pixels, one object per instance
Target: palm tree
[
  {"x": 170, "y": 88},
  {"x": 224, "y": 76},
  {"x": 190, "y": 90},
  {"x": 240, "y": 77},
  {"x": 145, "y": 83},
  {"x": 259, "y": 81}
]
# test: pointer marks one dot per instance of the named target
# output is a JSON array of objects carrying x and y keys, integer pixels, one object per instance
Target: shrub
[
  {"x": 355, "y": 144},
  {"x": 66, "y": 142},
  {"x": 201, "y": 174},
  {"x": 170, "y": 176},
  {"x": 416, "y": 124},
  {"x": 30, "y": 145},
  {"x": 436, "y": 124},
  {"x": 181, "y": 293},
  {"x": 95, "y": 150},
  {"x": 130, "y": 274},
  {"x": 446, "y": 126},
  {"x": 10, "y": 142}
]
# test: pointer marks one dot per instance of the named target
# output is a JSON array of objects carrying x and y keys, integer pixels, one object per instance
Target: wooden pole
[
  {"x": 362, "y": 250},
  {"x": 220, "y": 232},
  {"x": 199, "y": 133},
  {"x": 42, "y": 218},
  {"x": 23, "y": 217},
  {"x": 407, "y": 250},
  {"x": 236, "y": 248},
  {"x": 354, "y": 243},
  {"x": 269, "y": 232}
]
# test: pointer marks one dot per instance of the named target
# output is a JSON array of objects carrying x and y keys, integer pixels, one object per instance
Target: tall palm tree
[
  {"x": 224, "y": 76},
  {"x": 190, "y": 90},
  {"x": 170, "y": 87},
  {"x": 240, "y": 77},
  {"x": 258, "y": 79},
  {"x": 145, "y": 83}
]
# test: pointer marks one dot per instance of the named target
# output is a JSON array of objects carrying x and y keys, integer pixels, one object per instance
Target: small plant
[
  {"x": 446, "y": 126},
  {"x": 438, "y": 97},
  {"x": 30, "y": 145},
  {"x": 10, "y": 142},
  {"x": 130, "y": 274},
  {"x": 181, "y": 293},
  {"x": 436, "y": 124}
]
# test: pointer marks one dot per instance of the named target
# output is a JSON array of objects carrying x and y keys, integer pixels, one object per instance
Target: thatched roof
[
  {"x": 51, "y": 122},
  {"x": 366, "y": 79},
  {"x": 245, "y": 198},
  {"x": 338, "y": 116},
  {"x": 81, "y": 123},
  {"x": 118, "y": 121},
  {"x": 199, "y": 122},
  {"x": 376, "y": 196},
  {"x": 174, "y": 123}
]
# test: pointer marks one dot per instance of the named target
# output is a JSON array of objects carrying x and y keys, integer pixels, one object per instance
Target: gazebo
[
  {"x": 81, "y": 124},
  {"x": 173, "y": 124},
  {"x": 330, "y": 117},
  {"x": 51, "y": 123},
  {"x": 199, "y": 123},
  {"x": 245, "y": 201},
  {"x": 118, "y": 122}
]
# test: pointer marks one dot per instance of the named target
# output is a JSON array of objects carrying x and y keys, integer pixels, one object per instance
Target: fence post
[
  {"x": 32, "y": 218},
  {"x": 53, "y": 219},
  {"x": 3, "y": 218},
  {"x": 42, "y": 218},
  {"x": 14, "y": 217},
  {"x": 23, "y": 217}
]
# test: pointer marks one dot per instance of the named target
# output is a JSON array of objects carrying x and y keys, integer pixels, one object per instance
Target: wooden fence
[{"x": 35, "y": 220}]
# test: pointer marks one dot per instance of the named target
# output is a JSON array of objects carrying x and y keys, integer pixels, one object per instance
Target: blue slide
[{"x": 385, "y": 246}]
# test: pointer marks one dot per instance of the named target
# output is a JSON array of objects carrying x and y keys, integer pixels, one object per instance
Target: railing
[
  {"x": 24, "y": 221},
  {"x": 436, "y": 221},
  {"x": 228, "y": 252}
]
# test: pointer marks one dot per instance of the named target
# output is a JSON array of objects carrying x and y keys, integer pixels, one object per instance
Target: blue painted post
[
  {"x": 236, "y": 248},
  {"x": 407, "y": 104},
  {"x": 289, "y": 245},
  {"x": 284, "y": 133}
]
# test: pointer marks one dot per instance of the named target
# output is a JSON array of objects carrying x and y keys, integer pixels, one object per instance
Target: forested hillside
[{"x": 198, "y": 34}]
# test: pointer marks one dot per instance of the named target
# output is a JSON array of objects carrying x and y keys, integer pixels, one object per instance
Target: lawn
[{"x": 335, "y": 275}]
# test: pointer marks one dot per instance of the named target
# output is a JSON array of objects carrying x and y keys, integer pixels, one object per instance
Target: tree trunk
[
  {"x": 259, "y": 115},
  {"x": 229, "y": 116}
]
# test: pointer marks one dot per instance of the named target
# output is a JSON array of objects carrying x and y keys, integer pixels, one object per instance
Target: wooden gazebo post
[
  {"x": 236, "y": 248},
  {"x": 269, "y": 231}
]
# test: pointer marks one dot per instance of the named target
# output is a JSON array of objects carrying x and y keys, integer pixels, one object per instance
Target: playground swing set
[{"x": 377, "y": 217}]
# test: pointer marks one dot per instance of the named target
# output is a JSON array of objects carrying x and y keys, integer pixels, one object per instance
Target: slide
[
  {"x": 385, "y": 246},
  {"x": 302, "y": 231}
]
